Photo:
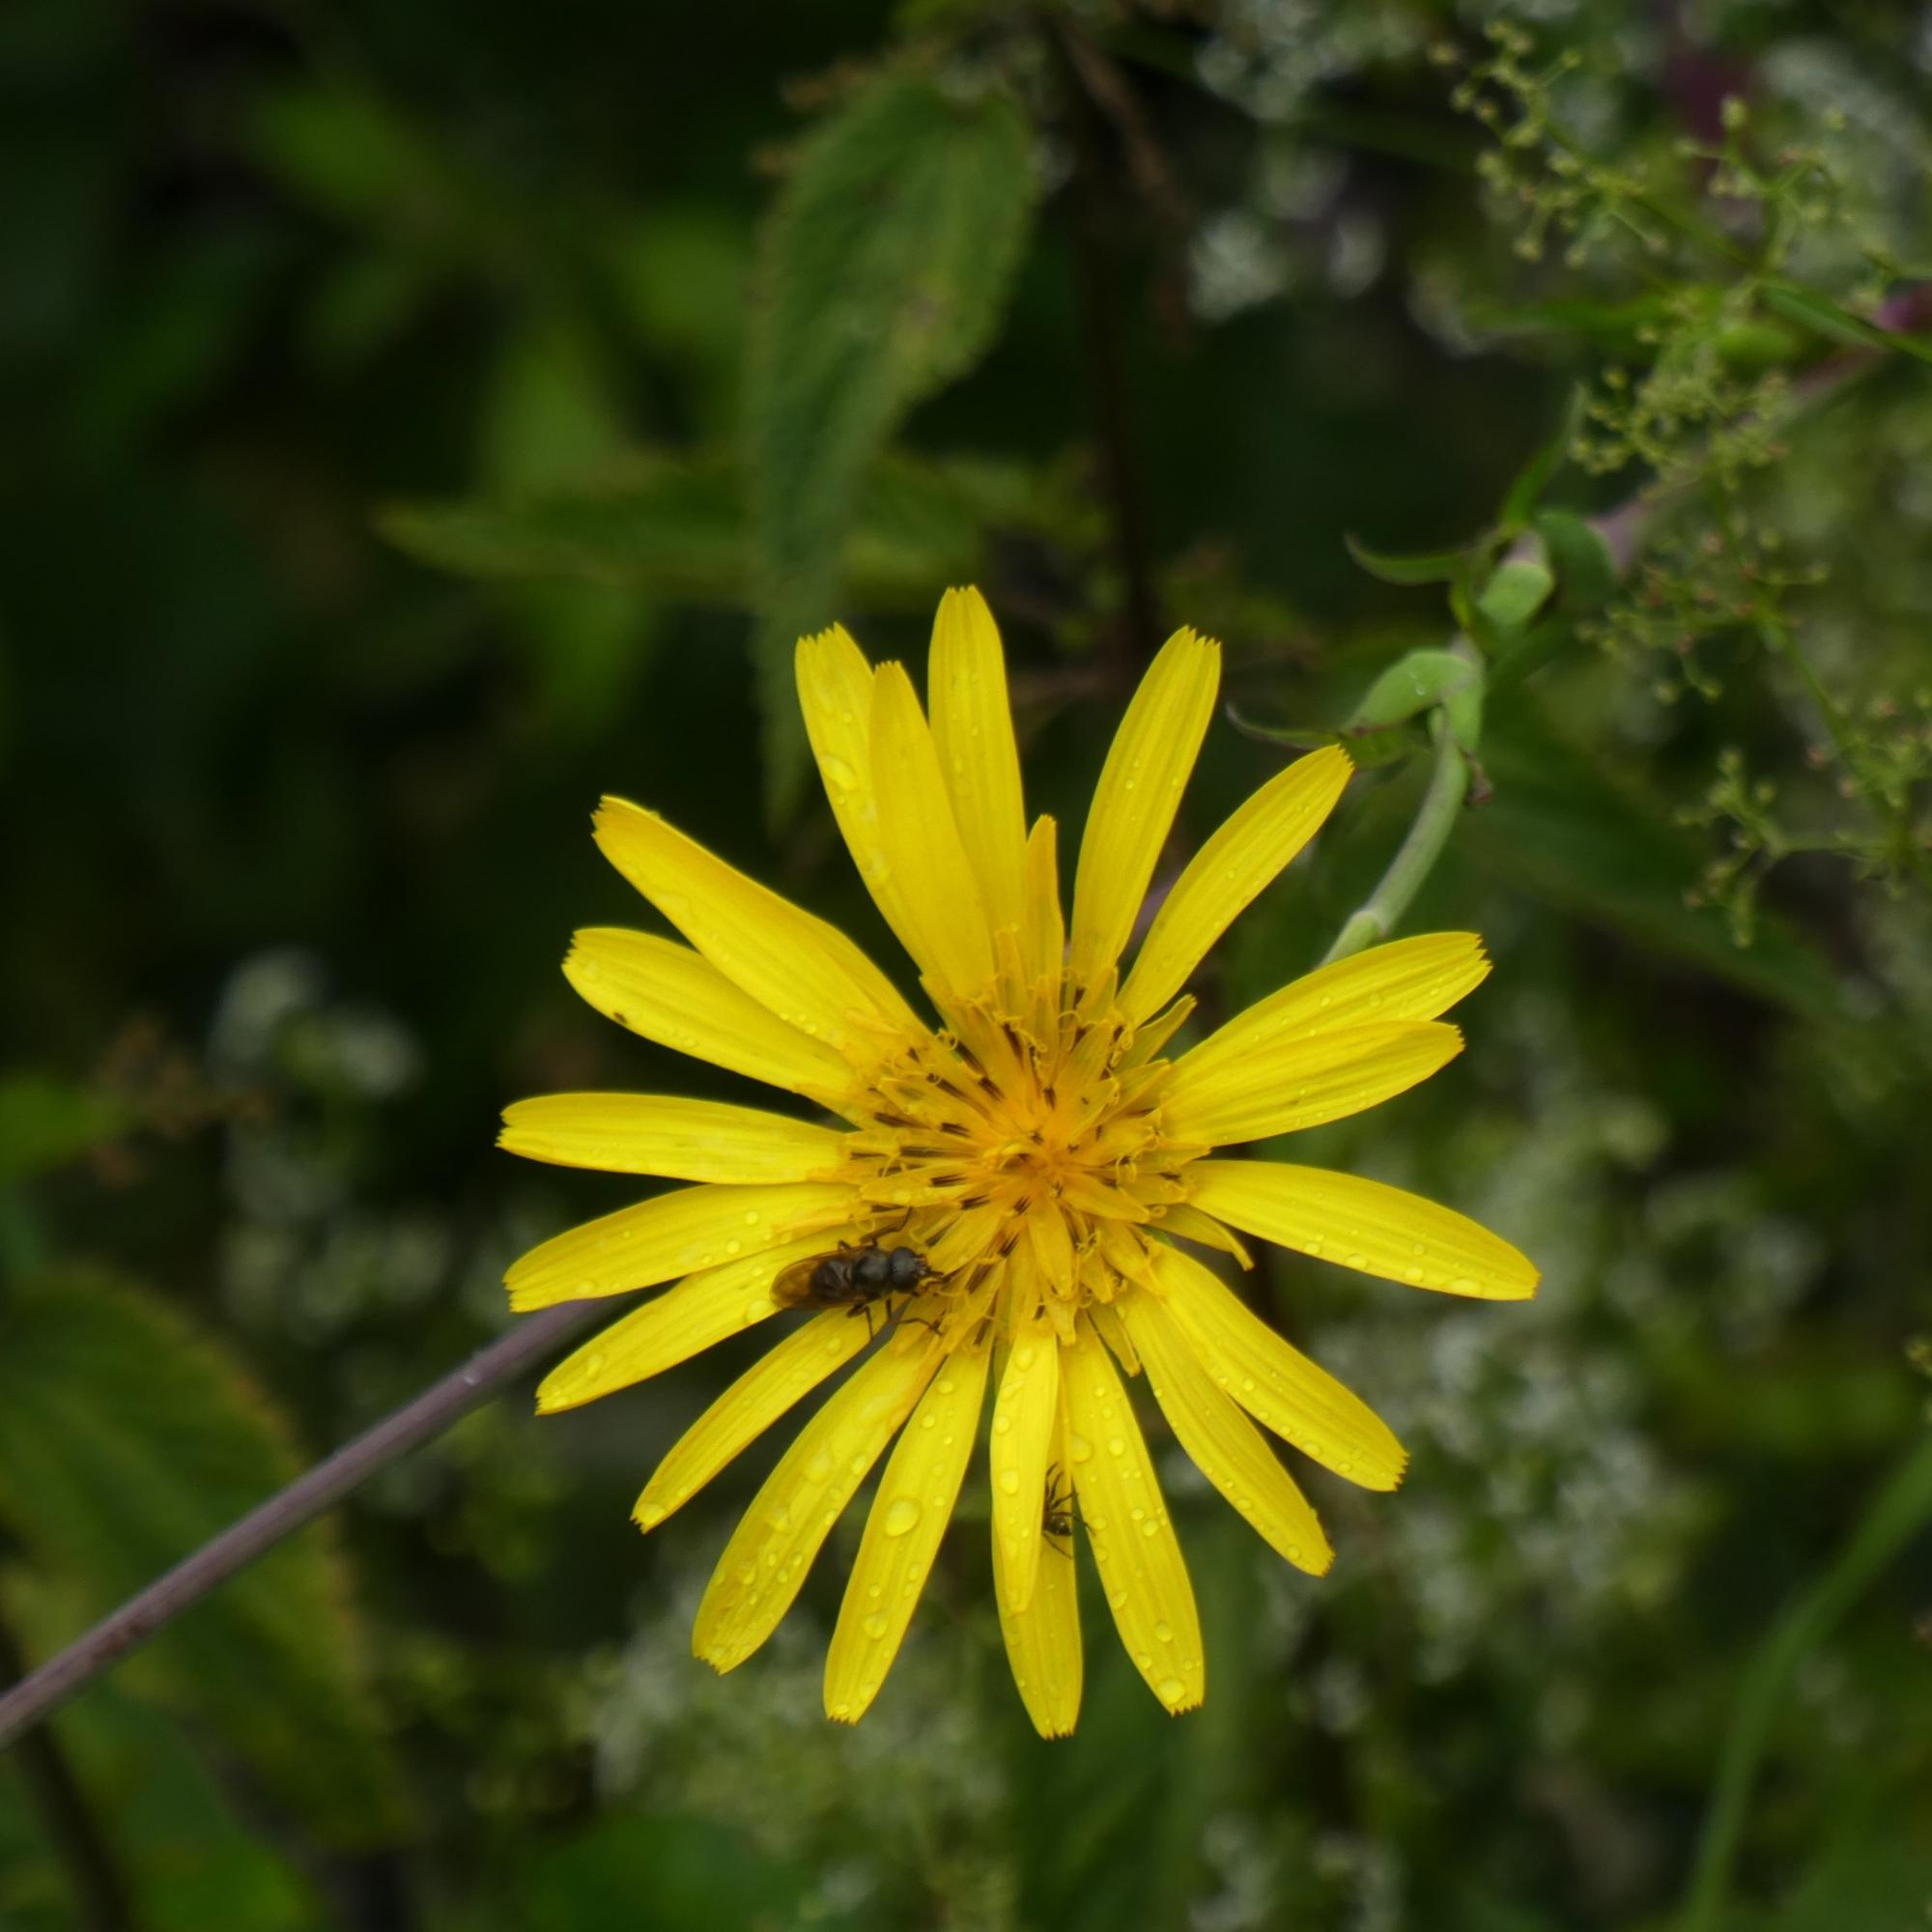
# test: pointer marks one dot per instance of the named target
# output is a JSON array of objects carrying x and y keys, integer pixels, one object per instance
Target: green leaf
[
  {"x": 1367, "y": 748},
  {"x": 679, "y": 526},
  {"x": 672, "y": 525},
  {"x": 46, "y": 1123},
  {"x": 125, "y": 1441},
  {"x": 1519, "y": 586},
  {"x": 884, "y": 271},
  {"x": 1413, "y": 684},
  {"x": 1433, "y": 566},
  {"x": 1527, "y": 492},
  {"x": 1824, "y": 317},
  {"x": 1586, "y": 573}
]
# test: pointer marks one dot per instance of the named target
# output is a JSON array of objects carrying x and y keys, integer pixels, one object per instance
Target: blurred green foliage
[{"x": 424, "y": 418}]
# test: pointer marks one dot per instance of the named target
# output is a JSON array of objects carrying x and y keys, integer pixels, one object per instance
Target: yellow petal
[
  {"x": 670, "y": 994},
  {"x": 805, "y": 971},
  {"x": 1044, "y": 929},
  {"x": 1139, "y": 790},
  {"x": 675, "y": 1233},
  {"x": 765, "y": 1563},
  {"x": 908, "y": 1518},
  {"x": 1363, "y": 1224},
  {"x": 1225, "y": 1445},
  {"x": 684, "y": 1140},
  {"x": 1044, "y": 1639},
  {"x": 1052, "y": 1247},
  {"x": 681, "y": 1322},
  {"x": 1302, "y": 1083},
  {"x": 834, "y": 692},
  {"x": 1127, "y": 1528},
  {"x": 945, "y": 929},
  {"x": 1228, "y": 872},
  {"x": 780, "y": 1378},
  {"x": 973, "y": 731},
  {"x": 1406, "y": 979},
  {"x": 1024, "y": 1441},
  {"x": 1277, "y": 1384}
]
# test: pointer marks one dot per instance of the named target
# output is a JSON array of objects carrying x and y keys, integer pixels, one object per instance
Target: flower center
[{"x": 1036, "y": 1133}]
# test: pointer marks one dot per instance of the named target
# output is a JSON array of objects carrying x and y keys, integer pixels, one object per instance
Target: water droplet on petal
[{"x": 902, "y": 1513}]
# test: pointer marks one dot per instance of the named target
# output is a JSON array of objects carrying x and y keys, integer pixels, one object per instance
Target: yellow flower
[{"x": 1035, "y": 1148}]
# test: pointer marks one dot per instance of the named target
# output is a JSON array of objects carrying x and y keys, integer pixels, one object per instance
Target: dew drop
[
  {"x": 1164, "y": 1631},
  {"x": 900, "y": 1516},
  {"x": 1079, "y": 1448},
  {"x": 1117, "y": 1445},
  {"x": 876, "y": 1625},
  {"x": 1170, "y": 1690},
  {"x": 1009, "y": 1482}
]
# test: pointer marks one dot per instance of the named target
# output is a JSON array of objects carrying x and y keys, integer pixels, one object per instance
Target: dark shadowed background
[{"x": 421, "y": 418}]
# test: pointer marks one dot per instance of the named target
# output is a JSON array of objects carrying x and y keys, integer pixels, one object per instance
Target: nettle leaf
[
  {"x": 46, "y": 1123},
  {"x": 125, "y": 1441},
  {"x": 680, "y": 526},
  {"x": 884, "y": 267}
]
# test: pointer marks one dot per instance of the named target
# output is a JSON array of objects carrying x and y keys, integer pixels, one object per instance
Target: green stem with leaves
[{"x": 1375, "y": 917}]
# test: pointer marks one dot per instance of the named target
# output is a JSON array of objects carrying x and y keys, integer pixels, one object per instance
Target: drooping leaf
[
  {"x": 1432, "y": 566},
  {"x": 45, "y": 1123},
  {"x": 1367, "y": 748},
  {"x": 884, "y": 270},
  {"x": 125, "y": 1441}
]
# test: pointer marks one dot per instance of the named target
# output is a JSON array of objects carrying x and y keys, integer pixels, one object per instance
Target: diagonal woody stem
[{"x": 427, "y": 1416}]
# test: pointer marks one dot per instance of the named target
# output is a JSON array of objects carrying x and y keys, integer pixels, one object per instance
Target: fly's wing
[{"x": 793, "y": 1286}]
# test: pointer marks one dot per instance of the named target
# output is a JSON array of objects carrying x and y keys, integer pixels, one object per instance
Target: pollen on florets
[{"x": 1040, "y": 1127}]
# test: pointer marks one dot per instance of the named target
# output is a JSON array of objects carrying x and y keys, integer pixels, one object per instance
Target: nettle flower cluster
[{"x": 1036, "y": 1154}]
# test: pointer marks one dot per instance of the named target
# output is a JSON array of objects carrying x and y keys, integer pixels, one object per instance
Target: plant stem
[
  {"x": 428, "y": 1414},
  {"x": 1375, "y": 919},
  {"x": 100, "y": 1900}
]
